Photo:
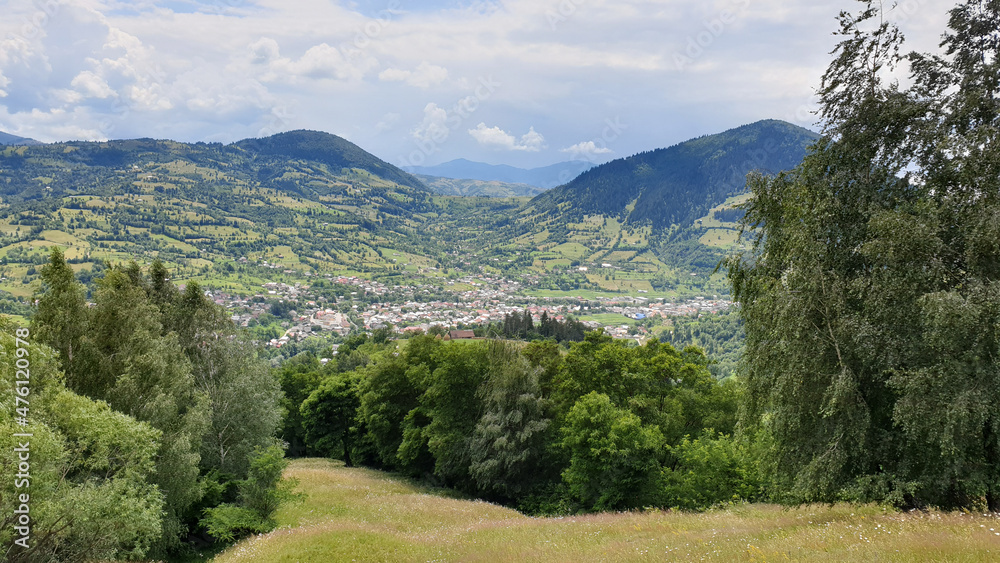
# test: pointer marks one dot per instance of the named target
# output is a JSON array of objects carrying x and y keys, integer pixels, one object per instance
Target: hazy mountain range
[
  {"x": 545, "y": 177},
  {"x": 8, "y": 139}
]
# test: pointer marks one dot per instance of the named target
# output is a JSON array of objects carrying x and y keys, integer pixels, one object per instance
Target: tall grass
[{"x": 355, "y": 514}]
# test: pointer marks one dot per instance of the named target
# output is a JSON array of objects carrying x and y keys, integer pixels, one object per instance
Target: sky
[{"x": 520, "y": 82}]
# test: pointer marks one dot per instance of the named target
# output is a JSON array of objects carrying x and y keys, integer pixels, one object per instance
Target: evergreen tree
[
  {"x": 507, "y": 446},
  {"x": 61, "y": 317}
]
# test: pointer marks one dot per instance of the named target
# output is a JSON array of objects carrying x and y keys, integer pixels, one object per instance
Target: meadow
[{"x": 354, "y": 514}]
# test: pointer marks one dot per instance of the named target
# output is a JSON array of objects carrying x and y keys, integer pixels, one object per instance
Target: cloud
[
  {"x": 264, "y": 50},
  {"x": 322, "y": 61},
  {"x": 387, "y": 122},
  {"x": 495, "y": 137},
  {"x": 90, "y": 85},
  {"x": 424, "y": 76},
  {"x": 434, "y": 128},
  {"x": 170, "y": 69},
  {"x": 586, "y": 150}
]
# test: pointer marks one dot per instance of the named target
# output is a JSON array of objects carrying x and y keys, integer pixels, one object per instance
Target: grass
[
  {"x": 353, "y": 514},
  {"x": 613, "y": 319},
  {"x": 720, "y": 238}
]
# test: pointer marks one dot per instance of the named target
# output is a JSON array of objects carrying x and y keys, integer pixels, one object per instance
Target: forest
[{"x": 600, "y": 426}]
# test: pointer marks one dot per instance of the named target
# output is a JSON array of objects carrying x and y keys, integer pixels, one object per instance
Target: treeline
[
  {"x": 601, "y": 427},
  {"x": 153, "y": 421},
  {"x": 521, "y": 326}
]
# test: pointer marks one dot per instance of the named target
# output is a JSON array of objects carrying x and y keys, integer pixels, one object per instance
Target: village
[{"x": 348, "y": 303}]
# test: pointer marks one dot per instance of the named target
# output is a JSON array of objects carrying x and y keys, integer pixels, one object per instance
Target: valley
[{"x": 622, "y": 247}]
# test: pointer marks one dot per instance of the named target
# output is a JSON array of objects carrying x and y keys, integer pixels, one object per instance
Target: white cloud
[
  {"x": 434, "y": 128},
  {"x": 153, "y": 68},
  {"x": 424, "y": 76},
  {"x": 495, "y": 137},
  {"x": 586, "y": 150},
  {"x": 322, "y": 61},
  {"x": 264, "y": 50},
  {"x": 90, "y": 85}
]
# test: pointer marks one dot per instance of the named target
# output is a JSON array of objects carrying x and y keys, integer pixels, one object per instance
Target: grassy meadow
[{"x": 353, "y": 514}]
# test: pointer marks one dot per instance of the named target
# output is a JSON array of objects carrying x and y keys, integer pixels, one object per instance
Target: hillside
[
  {"x": 305, "y": 202},
  {"x": 656, "y": 220},
  {"x": 679, "y": 184},
  {"x": 324, "y": 148},
  {"x": 354, "y": 514},
  {"x": 300, "y": 201}
]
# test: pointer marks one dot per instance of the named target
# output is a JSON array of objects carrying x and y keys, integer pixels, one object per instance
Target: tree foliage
[
  {"x": 172, "y": 360},
  {"x": 91, "y": 494},
  {"x": 532, "y": 425},
  {"x": 870, "y": 297}
]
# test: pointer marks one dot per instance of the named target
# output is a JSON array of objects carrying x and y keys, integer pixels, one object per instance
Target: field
[{"x": 353, "y": 514}]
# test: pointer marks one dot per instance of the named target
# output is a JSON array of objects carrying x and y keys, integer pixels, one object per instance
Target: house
[{"x": 461, "y": 334}]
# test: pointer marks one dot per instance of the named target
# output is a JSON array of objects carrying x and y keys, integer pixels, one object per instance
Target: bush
[
  {"x": 709, "y": 470},
  {"x": 260, "y": 494}
]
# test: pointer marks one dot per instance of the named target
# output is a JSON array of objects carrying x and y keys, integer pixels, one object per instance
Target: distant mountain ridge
[
  {"x": 8, "y": 139},
  {"x": 480, "y": 188},
  {"x": 676, "y": 185},
  {"x": 545, "y": 177}
]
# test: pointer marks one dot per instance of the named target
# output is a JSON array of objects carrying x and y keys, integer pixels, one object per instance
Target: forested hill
[
  {"x": 328, "y": 149},
  {"x": 677, "y": 185}
]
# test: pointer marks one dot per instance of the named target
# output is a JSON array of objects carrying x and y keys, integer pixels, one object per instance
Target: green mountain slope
[
  {"x": 300, "y": 201},
  {"x": 656, "y": 221},
  {"x": 327, "y": 149},
  {"x": 305, "y": 202},
  {"x": 679, "y": 184}
]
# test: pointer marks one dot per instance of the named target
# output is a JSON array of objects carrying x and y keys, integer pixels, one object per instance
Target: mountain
[
  {"x": 676, "y": 185},
  {"x": 8, "y": 139},
  {"x": 303, "y": 200},
  {"x": 655, "y": 221},
  {"x": 295, "y": 204},
  {"x": 482, "y": 188},
  {"x": 544, "y": 177},
  {"x": 328, "y": 149}
]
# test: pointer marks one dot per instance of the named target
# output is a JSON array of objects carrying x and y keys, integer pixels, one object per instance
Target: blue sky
[{"x": 521, "y": 82}]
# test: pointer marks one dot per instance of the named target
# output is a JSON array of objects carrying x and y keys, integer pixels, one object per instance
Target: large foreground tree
[{"x": 871, "y": 295}]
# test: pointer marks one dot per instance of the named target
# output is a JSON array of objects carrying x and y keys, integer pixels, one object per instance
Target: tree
[
  {"x": 508, "y": 442},
  {"x": 614, "y": 458},
  {"x": 299, "y": 377},
  {"x": 870, "y": 294},
  {"x": 389, "y": 393},
  {"x": 61, "y": 318},
  {"x": 329, "y": 414},
  {"x": 452, "y": 408},
  {"x": 92, "y": 495},
  {"x": 245, "y": 399}
]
